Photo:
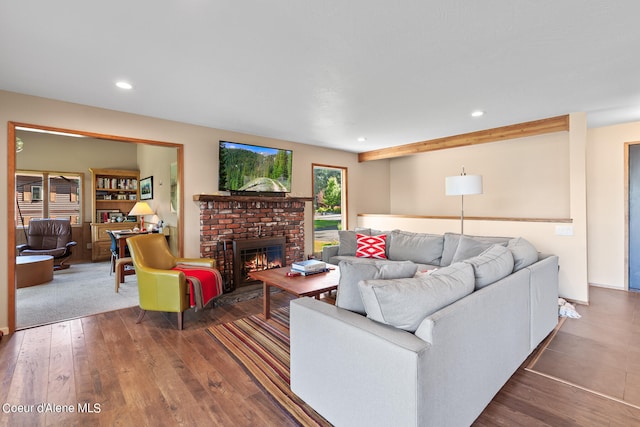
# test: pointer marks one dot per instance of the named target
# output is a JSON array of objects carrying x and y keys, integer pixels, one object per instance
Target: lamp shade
[
  {"x": 141, "y": 208},
  {"x": 461, "y": 185}
]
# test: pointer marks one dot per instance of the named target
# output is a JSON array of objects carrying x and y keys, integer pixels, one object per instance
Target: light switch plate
[{"x": 564, "y": 230}]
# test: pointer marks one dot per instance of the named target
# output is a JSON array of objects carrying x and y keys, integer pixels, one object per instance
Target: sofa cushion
[
  {"x": 451, "y": 241},
  {"x": 404, "y": 303},
  {"x": 371, "y": 246},
  {"x": 491, "y": 265},
  {"x": 348, "y": 242},
  {"x": 469, "y": 247},
  {"x": 524, "y": 253},
  {"x": 421, "y": 248},
  {"x": 352, "y": 272}
]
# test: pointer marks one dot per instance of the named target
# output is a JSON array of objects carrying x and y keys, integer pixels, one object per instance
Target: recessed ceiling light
[
  {"x": 362, "y": 139},
  {"x": 477, "y": 113},
  {"x": 124, "y": 85}
]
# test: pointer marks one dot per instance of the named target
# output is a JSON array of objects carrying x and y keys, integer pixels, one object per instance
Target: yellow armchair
[{"x": 159, "y": 287}]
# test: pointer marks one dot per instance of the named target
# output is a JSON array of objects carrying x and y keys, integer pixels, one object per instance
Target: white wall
[
  {"x": 368, "y": 182},
  {"x": 155, "y": 161},
  {"x": 606, "y": 202},
  {"x": 525, "y": 177},
  {"x": 68, "y": 154},
  {"x": 536, "y": 177}
]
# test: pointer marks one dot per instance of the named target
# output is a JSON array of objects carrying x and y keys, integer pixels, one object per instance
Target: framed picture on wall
[{"x": 146, "y": 188}]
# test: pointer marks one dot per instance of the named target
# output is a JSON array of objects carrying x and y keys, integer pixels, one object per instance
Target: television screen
[{"x": 252, "y": 168}]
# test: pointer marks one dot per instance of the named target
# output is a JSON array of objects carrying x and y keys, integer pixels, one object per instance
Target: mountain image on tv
[{"x": 254, "y": 168}]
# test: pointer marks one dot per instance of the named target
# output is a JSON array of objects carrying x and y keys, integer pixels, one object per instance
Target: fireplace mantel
[{"x": 236, "y": 198}]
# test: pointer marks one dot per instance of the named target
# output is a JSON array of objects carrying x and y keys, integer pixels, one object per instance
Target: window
[
  {"x": 48, "y": 195},
  {"x": 329, "y": 205}
]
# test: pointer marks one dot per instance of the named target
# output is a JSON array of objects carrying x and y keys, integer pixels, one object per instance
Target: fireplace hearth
[{"x": 255, "y": 255}]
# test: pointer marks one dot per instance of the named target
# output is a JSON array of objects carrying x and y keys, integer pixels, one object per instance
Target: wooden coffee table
[{"x": 300, "y": 286}]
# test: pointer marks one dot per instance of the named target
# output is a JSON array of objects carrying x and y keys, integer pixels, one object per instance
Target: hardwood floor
[
  {"x": 599, "y": 351},
  {"x": 121, "y": 373}
]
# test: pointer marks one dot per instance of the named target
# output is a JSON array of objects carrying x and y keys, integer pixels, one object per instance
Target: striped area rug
[{"x": 262, "y": 347}]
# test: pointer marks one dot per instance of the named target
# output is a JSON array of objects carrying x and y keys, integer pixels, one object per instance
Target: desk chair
[{"x": 114, "y": 251}]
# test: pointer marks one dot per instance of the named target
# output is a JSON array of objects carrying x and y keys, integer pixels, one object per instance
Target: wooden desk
[
  {"x": 121, "y": 236},
  {"x": 300, "y": 286}
]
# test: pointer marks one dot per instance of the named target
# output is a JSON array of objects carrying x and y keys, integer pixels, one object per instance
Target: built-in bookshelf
[{"x": 113, "y": 194}]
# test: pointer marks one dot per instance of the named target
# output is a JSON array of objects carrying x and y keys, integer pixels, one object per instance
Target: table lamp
[
  {"x": 141, "y": 209},
  {"x": 462, "y": 185}
]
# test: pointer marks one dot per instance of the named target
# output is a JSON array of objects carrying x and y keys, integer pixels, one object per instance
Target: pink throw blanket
[{"x": 204, "y": 284}]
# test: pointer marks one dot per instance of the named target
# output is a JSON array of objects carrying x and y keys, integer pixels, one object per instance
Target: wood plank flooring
[{"x": 120, "y": 373}]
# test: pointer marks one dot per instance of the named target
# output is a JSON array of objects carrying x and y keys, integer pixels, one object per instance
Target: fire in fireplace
[{"x": 254, "y": 255}]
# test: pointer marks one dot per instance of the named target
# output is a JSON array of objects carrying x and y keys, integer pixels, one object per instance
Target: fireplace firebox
[{"x": 255, "y": 255}]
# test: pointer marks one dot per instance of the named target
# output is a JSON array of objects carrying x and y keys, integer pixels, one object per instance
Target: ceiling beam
[{"x": 536, "y": 127}]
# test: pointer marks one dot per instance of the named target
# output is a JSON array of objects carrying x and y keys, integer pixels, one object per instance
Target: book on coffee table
[{"x": 310, "y": 266}]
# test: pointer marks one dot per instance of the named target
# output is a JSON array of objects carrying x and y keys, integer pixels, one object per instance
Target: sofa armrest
[
  {"x": 372, "y": 366},
  {"x": 329, "y": 252}
]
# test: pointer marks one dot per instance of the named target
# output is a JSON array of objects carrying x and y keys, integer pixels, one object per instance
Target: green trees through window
[{"x": 329, "y": 203}]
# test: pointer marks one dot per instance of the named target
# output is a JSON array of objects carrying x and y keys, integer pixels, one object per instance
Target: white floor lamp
[{"x": 462, "y": 185}]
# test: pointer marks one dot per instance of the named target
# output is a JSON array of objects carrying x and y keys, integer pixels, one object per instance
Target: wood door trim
[{"x": 11, "y": 185}]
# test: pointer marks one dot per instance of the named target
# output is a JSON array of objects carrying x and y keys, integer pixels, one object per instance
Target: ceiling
[{"x": 328, "y": 72}]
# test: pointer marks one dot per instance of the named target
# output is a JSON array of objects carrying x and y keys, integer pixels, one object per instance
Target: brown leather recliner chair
[{"x": 49, "y": 237}]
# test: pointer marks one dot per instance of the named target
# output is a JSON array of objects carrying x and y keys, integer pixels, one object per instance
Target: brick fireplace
[{"x": 227, "y": 220}]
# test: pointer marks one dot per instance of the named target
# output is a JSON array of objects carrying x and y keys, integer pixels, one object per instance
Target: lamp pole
[{"x": 462, "y": 185}]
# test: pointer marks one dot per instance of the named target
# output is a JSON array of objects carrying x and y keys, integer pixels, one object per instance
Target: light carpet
[
  {"x": 81, "y": 290},
  {"x": 262, "y": 348}
]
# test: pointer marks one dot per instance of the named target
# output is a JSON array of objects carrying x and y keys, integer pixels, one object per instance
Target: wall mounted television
[{"x": 254, "y": 169}]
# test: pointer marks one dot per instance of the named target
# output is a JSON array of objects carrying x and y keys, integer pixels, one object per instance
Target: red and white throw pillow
[{"x": 371, "y": 246}]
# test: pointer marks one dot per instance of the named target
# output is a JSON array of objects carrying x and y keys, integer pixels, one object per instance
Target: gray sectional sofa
[{"x": 427, "y": 340}]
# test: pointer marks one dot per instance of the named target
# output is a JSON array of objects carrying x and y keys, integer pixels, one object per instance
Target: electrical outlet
[
  {"x": 89, "y": 245},
  {"x": 564, "y": 230}
]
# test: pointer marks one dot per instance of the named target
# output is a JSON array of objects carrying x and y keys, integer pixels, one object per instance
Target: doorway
[
  {"x": 329, "y": 205},
  {"x": 633, "y": 217},
  {"x": 142, "y": 149}
]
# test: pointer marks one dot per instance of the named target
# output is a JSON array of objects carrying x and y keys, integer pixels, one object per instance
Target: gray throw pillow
[
  {"x": 524, "y": 253},
  {"x": 417, "y": 247},
  {"x": 405, "y": 303},
  {"x": 348, "y": 243},
  {"x": 449, "y": 248},
  {"x": 491, "y": 265},
  {"x": 469, "y": 247},
  {"x": 451, "y": 241},
  {"x": 352, "y": 272}
]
